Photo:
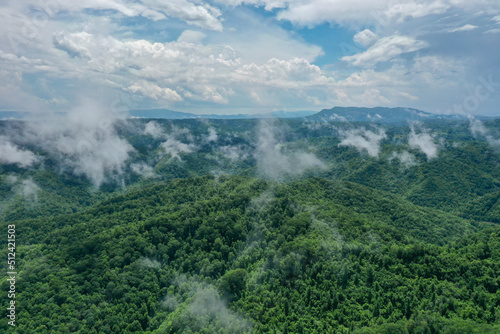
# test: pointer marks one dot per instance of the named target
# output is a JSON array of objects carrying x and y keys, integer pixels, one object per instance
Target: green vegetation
[{"x": 365, "y": 245}]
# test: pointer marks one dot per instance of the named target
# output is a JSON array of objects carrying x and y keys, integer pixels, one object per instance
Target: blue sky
[{"x": 234, "y": 56}]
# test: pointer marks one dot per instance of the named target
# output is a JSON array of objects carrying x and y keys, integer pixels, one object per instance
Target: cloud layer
[{"x": 221, "y": 56}]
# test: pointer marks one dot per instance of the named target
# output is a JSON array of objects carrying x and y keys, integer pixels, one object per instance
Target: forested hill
[
  {"x": 254, "y": 226},
  {"x": 239, "y": 254}
]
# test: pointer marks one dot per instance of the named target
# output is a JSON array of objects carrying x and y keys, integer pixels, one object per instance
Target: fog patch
[
  {"x": 83, "y": 141},
  {"x": 11, "y": 154},
  {"x": 144, "y": 170},
  {"x": 363, "y": 140},
  {"x": 234, "y": 153},
  {"x": 405, "y": 158},
  {"x": 274, "y": 162},
  {"x": 200, "y": 305},
  {"x": 154, "y": 130},
  {"x": 148, "y": 263},
  {"x": 423, "y": 141},
  {"x": 212, "y": 135},
  {"x": 177, "y": 141},
  {"x": 478, "y": 129}
]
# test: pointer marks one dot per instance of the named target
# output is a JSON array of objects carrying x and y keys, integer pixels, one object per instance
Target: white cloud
[
  {"x": 275, "y": 163},
  {"x": 386, "y": 49},
  {"x": 253, "y": 63},
  {"x": 196, "y": 13},
  {"x": 478, "y": 129},
  {"x": 405, "y": 158},
  {"x": 466, "y": 27},
  {"x": 74, "y": 45},
  {"x": 191, "y": 36},
  {"x": 363, "y": 140},
  {"x": 366, "y": 38},
  {"x": 174, "y": 148},
  {"x": 143, "y": 170},
  {"x": 314, "y": 12},
  {"x": 203, "y": 306},
  {"x": 423, "y": 141},
  {"x": 12, "y": 154},
  {"x": 84, "y": 141},
  {"x": 29, "y": 190},
  {"x": 175, "y": 145},
  {"x": 212, "y": 135},
  {"x": 234, "y": 153},
  {"x": 154, "y": 92},
  {"x": 154, "y": 130}
]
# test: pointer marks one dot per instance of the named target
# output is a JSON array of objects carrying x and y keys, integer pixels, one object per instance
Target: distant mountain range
[
  {"x": 346, "y": 114},
  {"x": 170, "y": 114},
  {"x": 377, "y": 114}
]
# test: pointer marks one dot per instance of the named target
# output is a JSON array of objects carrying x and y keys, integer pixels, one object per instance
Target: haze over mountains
[{"x": 350, "y": 114}]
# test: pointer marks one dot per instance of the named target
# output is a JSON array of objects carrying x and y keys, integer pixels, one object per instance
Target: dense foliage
[{"x": 365, "y": 245}]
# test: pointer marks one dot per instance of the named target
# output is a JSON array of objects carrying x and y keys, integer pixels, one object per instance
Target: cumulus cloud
[
  {"x": 366, "y": 38},
  {"x": 274, "y": 162},
  {"x": 386, "y": 48},
  {"x": 174, "y": 71},
  {"x": 74, "y": 45},
  {"x": 363, "y": 140},
  {"x": 191, "y": 36},
  {"x": 154, "y": 91},
  {"x": 13, "y": 154},
  {"x": 423, "y": 141},
  {"x": 253, "y": 63}
]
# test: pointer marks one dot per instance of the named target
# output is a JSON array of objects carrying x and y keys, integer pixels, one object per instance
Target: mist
[
  {"x": 478, "y": 129},
  {"x": 10, "y": 153},
  {"x": 83, "y": 141},
  {"x": 363, "y": 140},
  {"x": 176, "y": 142},
  {"x": 423, "y": 141},
  {"x": 405, "y": 158},
  {"x": 274, "y": 162}
]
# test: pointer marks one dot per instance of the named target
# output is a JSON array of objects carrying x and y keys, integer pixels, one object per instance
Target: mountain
[
  {"x": 236, "y": 254},
  {"x": 170, "y": 114},
  {"x": 376, "y": 115},
  {"x": 253, "y": 226}
]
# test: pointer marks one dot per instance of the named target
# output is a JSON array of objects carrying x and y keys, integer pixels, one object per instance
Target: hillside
[
  {"x": 254, "y": 226},
  {"x": 236, "y": 254}
]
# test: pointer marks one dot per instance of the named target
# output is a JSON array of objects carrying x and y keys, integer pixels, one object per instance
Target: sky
[{"x": 253, "y": 56}]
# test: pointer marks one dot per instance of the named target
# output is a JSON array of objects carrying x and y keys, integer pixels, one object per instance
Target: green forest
[{"x": 251, "y": 226}]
